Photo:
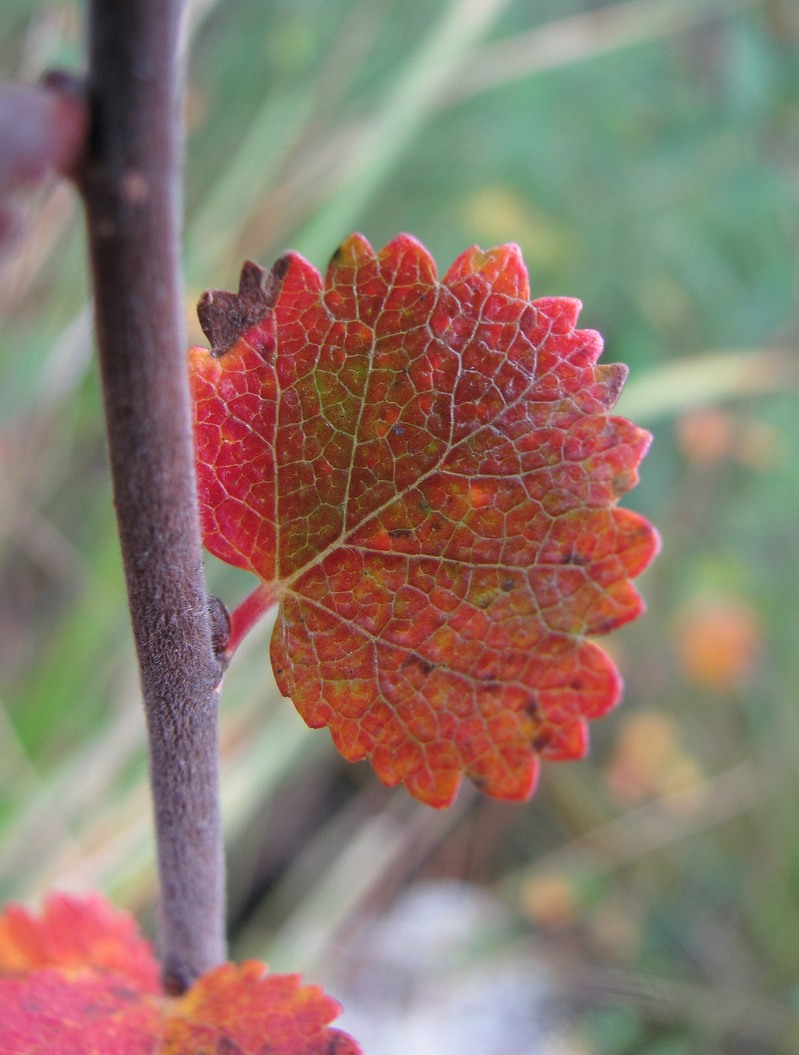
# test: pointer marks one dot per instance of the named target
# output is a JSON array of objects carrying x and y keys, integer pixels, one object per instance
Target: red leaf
[
  {"x": 226, "y": 1011},
  {"x": 92, "y": 1014},
  {"x": 82, "y": 979},
  {"x": 76, "y": 935},
  {"x": 425, "y": 473}
]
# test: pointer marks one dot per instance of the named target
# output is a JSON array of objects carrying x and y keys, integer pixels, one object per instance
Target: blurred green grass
[{"x": 646, "y": 157}]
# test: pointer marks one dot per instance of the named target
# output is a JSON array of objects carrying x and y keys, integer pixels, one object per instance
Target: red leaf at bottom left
[
  {"x": 95, "y": 1015},
  {"x": 81, "y": 980}
]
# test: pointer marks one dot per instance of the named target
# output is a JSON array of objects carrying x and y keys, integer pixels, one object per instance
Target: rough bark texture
[{"x": 131, "y": 185}]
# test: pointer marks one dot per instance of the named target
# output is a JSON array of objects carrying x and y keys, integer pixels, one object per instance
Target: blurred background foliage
[{"x": 645, "y": 155}]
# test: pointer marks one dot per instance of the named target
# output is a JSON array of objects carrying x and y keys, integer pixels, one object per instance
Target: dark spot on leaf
[
  {"x": 226, "y": 1046},
  {"x": 572, "y": 557},
  {"x": 413, "y": 659},
  {"x": 122, "y": 992},
  {"x": 400, "y": 533},
  {"x": 507, "y": 585}
]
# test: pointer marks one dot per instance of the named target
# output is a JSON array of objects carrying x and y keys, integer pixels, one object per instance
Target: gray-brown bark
[{"x": 130, "y": 182}]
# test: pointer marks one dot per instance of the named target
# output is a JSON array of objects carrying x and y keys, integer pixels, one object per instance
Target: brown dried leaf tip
[{"x": 225, "y": 316}]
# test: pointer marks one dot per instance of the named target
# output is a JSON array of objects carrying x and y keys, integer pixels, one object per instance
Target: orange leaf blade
[
  {"x": 428, "y": 472},
  {"x": 242, "y": 1006}
]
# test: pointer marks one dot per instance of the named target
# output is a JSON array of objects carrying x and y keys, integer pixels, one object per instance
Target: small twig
[
  {"x": 131, "y": 186},
  {"x": 42, "y": 131}
]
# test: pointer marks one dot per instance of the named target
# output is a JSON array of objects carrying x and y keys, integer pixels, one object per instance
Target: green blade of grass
[{"x": 706, "y": 379}]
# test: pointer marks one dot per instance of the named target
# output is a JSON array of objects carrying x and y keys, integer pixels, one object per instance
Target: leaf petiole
[{"x": 244, "y": 617}]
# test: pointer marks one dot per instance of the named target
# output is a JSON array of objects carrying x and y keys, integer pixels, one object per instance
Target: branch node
[{"x": 220, "y": 628}]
